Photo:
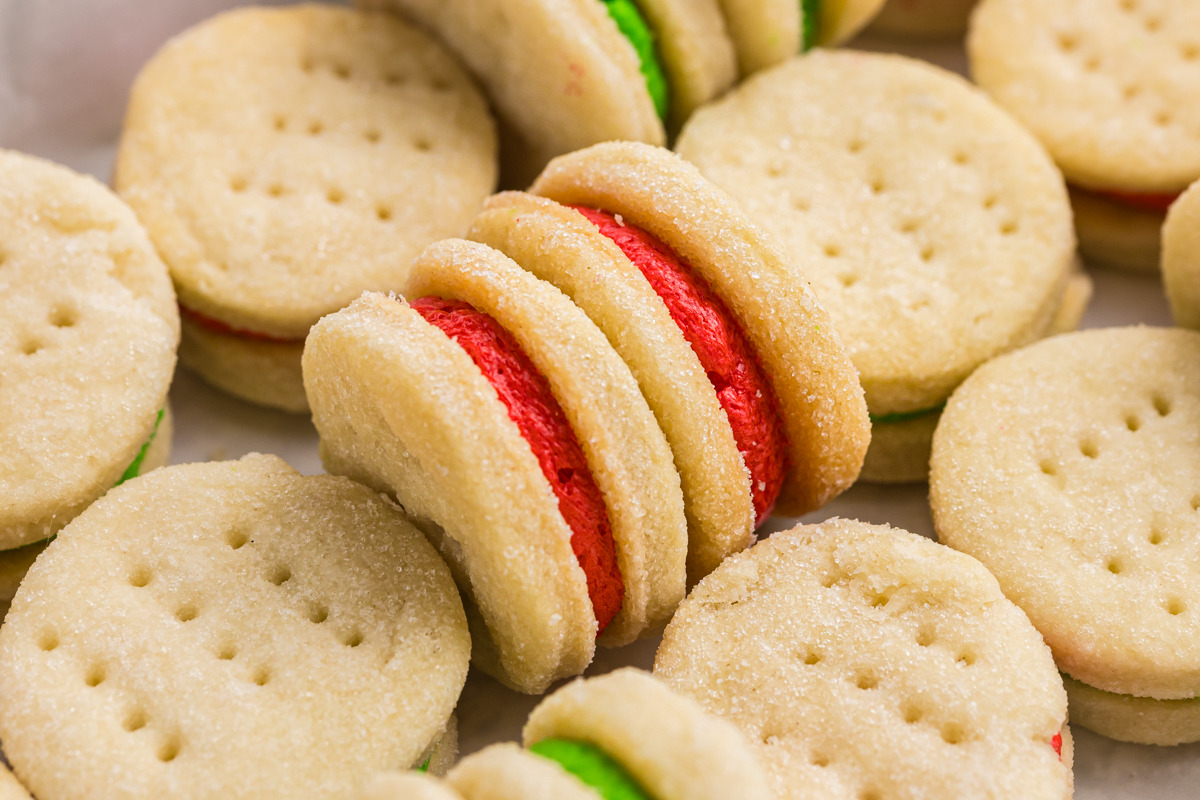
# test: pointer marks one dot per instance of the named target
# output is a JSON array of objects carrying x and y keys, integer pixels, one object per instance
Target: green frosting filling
[
  {"x": 425, "y": 767},
  {"x": 811, "y": 10},
  {"x": 905, "y": 416},
  {"x": 591, "y": 766},
  {"x": 631, "y": 22},
  {"x": 134, "y": 468}
]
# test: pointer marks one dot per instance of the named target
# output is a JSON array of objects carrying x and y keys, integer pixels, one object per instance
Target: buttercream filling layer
[
  {"x": 216, "y": 326},
  {"x": 633, "y": 25},
  {"x": 1154, "y": 203},
  {"x": 592, "y": 766}
]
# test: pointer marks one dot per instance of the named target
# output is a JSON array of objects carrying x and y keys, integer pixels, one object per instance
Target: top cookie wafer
[
  {"x": 88, "y": 330},
  {"x": 866, "y": 662},
  {"x": 284, "y": 160},
  {"x": 1111, "y": 87},
  {"x": 820, "y": 398},
  {"x": 1071, "y": 469},
  {"x": 229, "y": 630}
]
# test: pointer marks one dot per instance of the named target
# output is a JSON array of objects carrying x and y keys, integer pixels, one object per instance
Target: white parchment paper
[{"x": 65, "y": 70}]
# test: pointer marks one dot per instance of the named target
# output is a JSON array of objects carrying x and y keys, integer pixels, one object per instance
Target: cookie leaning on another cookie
[
  {"x": 769, "y": 32},
  {"x": 863, "y": 661},
  {"x": 1181, "y": 258},
  {"x": 229, "y": 629},
  {"x": 88, "y": 331},
  {"x": 294, "y": 172},
  {"x": 1071, "y": 470}
]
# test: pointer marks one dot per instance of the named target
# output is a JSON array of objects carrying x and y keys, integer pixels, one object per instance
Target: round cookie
[
  {"x": 1070, "y": 468},
  {"x": 230, "y": 629},
  {"x": 88, "y": 331},
  {"x": 865, "y": 661},
  {"x": 402, "y": 407},
  {"x": 935, "y": 231},
  {"x": 1110, "y": 88},
  {"x": 506, "y": 772},
  {"x": 294, "y": 173},
  {"x": 1181, "y": 258},
  {"x": 819, "y": 397},
  {"x": 565, "y": 75},
  {"x": 924, "y": 19}
]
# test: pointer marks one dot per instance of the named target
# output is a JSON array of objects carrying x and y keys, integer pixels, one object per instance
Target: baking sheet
[{"x": 65, "y": 68}]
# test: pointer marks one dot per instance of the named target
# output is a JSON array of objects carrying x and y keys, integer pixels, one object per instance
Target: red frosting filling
[
  {"x": 216, "y": 326},
  {"x": 724, "y": 351},
  {"x": 1056, "y": 743},
  {"x": 1159, "y": 203},
  {"x": 527, "y": 396}
]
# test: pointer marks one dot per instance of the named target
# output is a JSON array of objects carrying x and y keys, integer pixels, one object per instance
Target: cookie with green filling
[
  {"x": 565, "y": 75},
  {"x": 769, "y": 32},
  {"x": 88, "y": 333}
]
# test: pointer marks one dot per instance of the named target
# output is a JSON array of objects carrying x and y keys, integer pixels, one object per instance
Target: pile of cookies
[{"x": 555, "y": 416}]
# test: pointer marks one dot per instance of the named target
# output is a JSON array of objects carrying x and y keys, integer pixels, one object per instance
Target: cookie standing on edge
[
  {"x": 863, "y": 661},
  {"x": 935, "y": 230},
  {"x": 502, "y": 420},
  {"x": 284, "y": 160},
  {"x": 565, "y": 74},
  {"x": 1071, "y": 469},
  {"x": 233, "y": 630},
  {"x": 1181, "y": 258},
  {"x": 769, "y": 32},
  {"x": 88, "y": 331},
  {"x": 1112, "y": 89}
]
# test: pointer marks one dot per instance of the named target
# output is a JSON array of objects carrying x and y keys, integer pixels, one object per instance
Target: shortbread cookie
[
  {"x": 729, "y": 286},
  {"x": 282, "y": 161},
  {"x": 500, "y": 417},
  {"x": 935, "y": 230},
  {"x": 769, "y": 32},
  {"x": 565, "y": 75},
  {"x": 1071, "y": 469},
  {"x": 88, "y": 331},
  {"x": 1133, "y": 719},
  {"x": 924, "y": 19},
  {"x": 864, "y": 661},
  {"x": 1112, "y": 88},
  {"x": 10, "y": 788},
  {"x": 1181, "y": 258},
  {"x": 233, "y": 630}
]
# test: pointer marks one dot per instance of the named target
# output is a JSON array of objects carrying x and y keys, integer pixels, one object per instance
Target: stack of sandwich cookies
[
  {"x": 1071, "y": 469},
  {"x": 935, "y": 230},
  {"x": 282, "y": 161},
  {"x": 567, "y": 75},
  {"x": 682, "y": 341},
  {"x": 1181, "y": 258},
  {"x": 230, "y": 629},
  {"x": 924, "y": 19},
  {"x": 867, "y": 662},
  {"x": 1111, "y": 89},
  {"x": 502, "y": 420},
  {"x": 769, "y": 32},
  {"x": 88, "y": 331}
]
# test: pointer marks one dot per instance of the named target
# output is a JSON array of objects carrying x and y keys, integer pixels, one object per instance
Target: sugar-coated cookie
[
  {"x": 867, "y": 662},
  {"x": 565, "y": 74},
  {"x": 229, "y": 629},
  {"x": 934, "y": 229},
  {"x": 88, "y": 332},
  {"x": 774, "y": 332},
  {"x": 924, "y": 19},
  {"x": 500, "y": 417},
  {"x": 1071, "y": 470},
  {"x": 1181, "y": 258},
  {"x": 1112, "y": 88},
  {"x": 282, "y": 161}
]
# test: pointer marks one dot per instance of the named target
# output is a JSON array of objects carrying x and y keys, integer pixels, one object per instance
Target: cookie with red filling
[
  {"x": 500, "y": 417},
  {"x": 758, "y": 399}
]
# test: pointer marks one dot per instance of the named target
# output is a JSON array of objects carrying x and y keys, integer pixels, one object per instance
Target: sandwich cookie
[
  {"x": 284, "y": 160},
  {"x": 1112, "y": 89},
  {"x": 230, "y": 630},
  {"x": 88, "y": 332},
  {"x": 1071, "y": 469},
  {"x": 924, "y": 19},
  {"x": 864, "y": 661},
  {"x": 1181, "y": 258},
  {"x": 565, "y": 75},
  {"x": 769, "y": 32},
  {"x": 501, "y": 419},
  {"x": 935, "y": 230},
  {"x": 623, "y": 735}
]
